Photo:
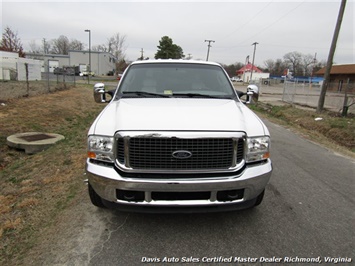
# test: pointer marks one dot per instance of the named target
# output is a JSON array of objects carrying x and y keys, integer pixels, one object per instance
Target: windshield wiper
[
  {"x": 144, "y": 94},
  {"x": 198, "y": 95}
]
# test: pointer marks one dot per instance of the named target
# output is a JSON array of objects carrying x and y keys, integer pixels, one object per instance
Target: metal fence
[
  {"x": 308, "y": 94},
  {"x": 62, "y": 78},
  {"x": 305, "y": 94}
]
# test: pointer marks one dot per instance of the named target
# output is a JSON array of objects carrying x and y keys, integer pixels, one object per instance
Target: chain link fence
[
  {"x": 49, "y": 82},
  {"x": 338, "y": 96},
  {"x": 64, "y": 78}
]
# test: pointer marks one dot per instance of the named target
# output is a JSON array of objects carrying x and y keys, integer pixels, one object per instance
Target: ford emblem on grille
[{"x": 182, "y": 154}]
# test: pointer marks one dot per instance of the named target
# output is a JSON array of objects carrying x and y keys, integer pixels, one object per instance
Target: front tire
[
  {"x": 259, "y": 198},
  {"x": 95, "y": 198}
]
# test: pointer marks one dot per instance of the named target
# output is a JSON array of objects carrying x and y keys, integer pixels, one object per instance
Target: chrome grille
[
  {"x": 120, "y": 150},
  {"x": 157, "y": 153},
  {"x": 240, "y": 150}
]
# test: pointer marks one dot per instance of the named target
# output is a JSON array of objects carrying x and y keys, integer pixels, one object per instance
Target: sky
[{"x": 278, "y": 27}]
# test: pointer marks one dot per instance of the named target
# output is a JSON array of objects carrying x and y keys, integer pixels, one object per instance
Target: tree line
[
  {"x": 62, "y": 45},
  {"x": 297, "y": 63}
]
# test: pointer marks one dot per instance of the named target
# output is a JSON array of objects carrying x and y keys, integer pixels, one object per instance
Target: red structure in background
[{"x": 247, "y": 68}]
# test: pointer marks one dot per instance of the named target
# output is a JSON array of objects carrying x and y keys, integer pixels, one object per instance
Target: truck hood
[{"x": 183, "y": 114}]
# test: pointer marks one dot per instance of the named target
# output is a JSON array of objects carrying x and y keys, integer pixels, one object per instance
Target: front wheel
[{"x": 95, "y": 198}]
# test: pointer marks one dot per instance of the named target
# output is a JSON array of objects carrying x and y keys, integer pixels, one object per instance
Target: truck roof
[{"x": 174, "y": 61}]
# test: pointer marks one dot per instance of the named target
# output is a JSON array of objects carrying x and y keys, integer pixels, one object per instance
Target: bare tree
[
  {"x": 299, "y": 63},
  {"x": 10, "y": 42},
  {"x": 280, "y": 67},
  {"x": 76, "y": 45},
  {"x": 35, "y": 48},
  {"x": 60, "y": 45},
  {"x": 294, "y": 59},
  {"x": 116, "y": 46},
  {"x": 43, "y": 48},
  {"x": 270, "y": 65},
  {"x": 307, "y": 61},
  {"x": 99, "y": 48},
  {"x": 46, "y": 46},
  {"x": 275, "y": 67}
]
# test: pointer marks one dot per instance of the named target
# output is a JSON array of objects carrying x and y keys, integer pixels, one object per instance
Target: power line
[
  {"x": 262, "y": 30},
  {"x": 248, "y": 22}
]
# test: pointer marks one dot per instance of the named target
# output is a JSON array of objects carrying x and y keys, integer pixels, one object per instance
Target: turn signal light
[
  {"x": 266, "y": 155},
  {"x": 91, "y": 155}
]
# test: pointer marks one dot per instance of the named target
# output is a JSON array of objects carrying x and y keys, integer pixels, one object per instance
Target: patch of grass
[
  {"x": 34, "y": 189},
  {"x": 341, "y": 123},
  {"x": 331, "y": 126}
]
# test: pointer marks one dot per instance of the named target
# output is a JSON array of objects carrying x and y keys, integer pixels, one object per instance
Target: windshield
[{"x": 176, "y": 80}]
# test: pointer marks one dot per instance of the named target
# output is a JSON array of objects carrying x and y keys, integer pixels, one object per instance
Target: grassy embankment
[
  {"x": 327, "y": 128},
  {"x": 34, "y": 189}
]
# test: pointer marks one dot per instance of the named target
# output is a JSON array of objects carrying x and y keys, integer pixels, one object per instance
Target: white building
[
  {"x": 101, "y": 62},
  {"x": 256, "y": 77},
  {"x": 13, "y": 67}
]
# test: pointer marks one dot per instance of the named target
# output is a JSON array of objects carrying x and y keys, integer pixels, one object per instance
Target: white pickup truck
[{"x": 176, "y": 137}]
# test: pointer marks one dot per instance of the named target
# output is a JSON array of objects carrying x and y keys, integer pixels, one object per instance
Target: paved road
[{"x": 308, "y": 212}]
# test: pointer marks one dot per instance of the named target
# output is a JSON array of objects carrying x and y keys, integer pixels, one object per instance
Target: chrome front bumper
[{"x": 105, "y": 180}]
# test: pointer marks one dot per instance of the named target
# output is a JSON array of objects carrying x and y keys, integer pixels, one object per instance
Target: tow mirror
[
  {"x": 252, "y": 94},
  {"x": 99, "y": 93}
]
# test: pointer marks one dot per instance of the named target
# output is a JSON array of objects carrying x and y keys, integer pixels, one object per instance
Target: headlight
[
  {"x": 101, "y": 148},
  {"x": 258, "y": 149}
]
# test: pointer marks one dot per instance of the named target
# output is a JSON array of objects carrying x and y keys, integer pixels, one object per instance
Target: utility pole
[
  {"x": 45, "y": 69},
  {"x": 89, "y": 70},
  {"x": 44, "y": 46},
  {"x": 142, "y": 51},
  {"x": 245, "y": 67},
  {"x": 252, "y": 64},
  {"x": 314, "y": 63},
  {"x": 209, "y": 46},
  {"x": 330, "y": 58}
]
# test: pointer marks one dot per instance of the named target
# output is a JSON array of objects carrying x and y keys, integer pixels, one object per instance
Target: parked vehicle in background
[
  {"x": 58, "y": 71},
  {"x": 176, "y": 137},
  {"x": 87, "y": 73},
  {"x": 236, "y": 79},
  {"x": 70, "y": 71}
]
